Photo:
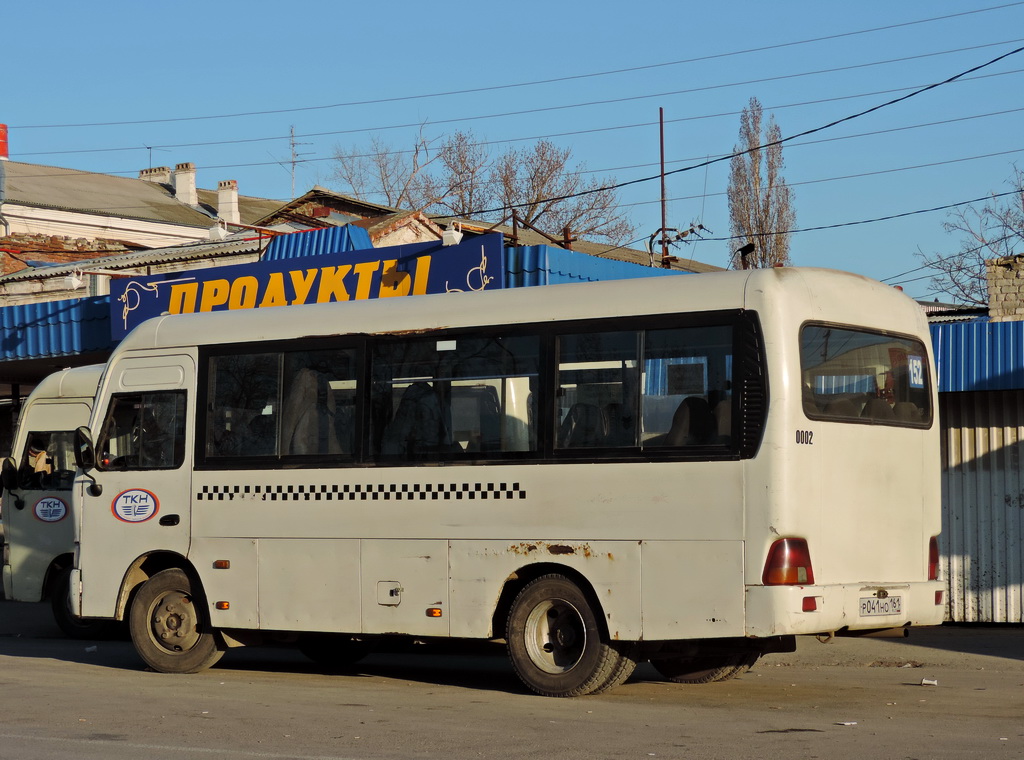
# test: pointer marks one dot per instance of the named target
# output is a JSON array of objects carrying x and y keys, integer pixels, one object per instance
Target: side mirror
[
  {"x": 85, "y": 453},
  {"x": 85, "y": 457},
  {"x": 9, "y": 481},
  {"x": 9, "y": 474}
]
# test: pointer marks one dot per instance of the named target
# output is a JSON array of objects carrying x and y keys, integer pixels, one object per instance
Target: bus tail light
[
  {"x": 788, "y": 564},
  {"x": 933, "y": 558}
]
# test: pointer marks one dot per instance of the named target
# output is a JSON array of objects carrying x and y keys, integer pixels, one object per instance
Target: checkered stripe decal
[{"x": 378, "y": 492}]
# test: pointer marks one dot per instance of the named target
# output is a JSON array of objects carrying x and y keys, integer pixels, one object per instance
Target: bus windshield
[{"x": 861, "y": 376}]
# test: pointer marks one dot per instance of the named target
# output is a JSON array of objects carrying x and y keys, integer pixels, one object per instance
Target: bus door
[
  {"x": 143, "y": 470},
  {"x": 36, "y": 516}
]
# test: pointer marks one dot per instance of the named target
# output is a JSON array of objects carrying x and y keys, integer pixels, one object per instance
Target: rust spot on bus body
[
  {"x": 525, "y": 548},
  {"x": 522, "y": 548}
]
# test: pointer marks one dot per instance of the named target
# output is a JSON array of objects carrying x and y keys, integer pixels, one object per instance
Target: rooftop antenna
[
  {"x": 150, "y": 148},
  {"x": 295, "y": 156}
]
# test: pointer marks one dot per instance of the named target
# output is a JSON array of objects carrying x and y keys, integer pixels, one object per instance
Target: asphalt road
[{"x": 851, "y": 698}]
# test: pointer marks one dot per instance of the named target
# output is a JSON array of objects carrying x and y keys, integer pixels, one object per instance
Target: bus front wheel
[
  {"x": 555, "y": 642},
  {"x": 169, "y": 630}
]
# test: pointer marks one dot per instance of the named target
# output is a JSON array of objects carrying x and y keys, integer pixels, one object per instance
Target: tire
[
  {"x": 169, "y": 625},
  {"x": 705, "y": 669},
  {"x": 333, "y": 651},
  {"x": 627, "y": 664},
  {"x": 555, "y": 642},
  {"x": 75, "y": 627}
]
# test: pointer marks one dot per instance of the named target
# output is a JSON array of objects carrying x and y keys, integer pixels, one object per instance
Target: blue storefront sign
[{"x": 415, "y": 269}]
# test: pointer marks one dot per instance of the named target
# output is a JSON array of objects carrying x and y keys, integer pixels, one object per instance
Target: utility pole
[
  {"x": 679, "y": 236},
  {"x": 664, "y": 201},
  {"x": 295, "y": 156}
]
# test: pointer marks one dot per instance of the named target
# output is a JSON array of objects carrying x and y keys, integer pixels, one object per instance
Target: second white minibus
[{"x": 685, "y": 470}]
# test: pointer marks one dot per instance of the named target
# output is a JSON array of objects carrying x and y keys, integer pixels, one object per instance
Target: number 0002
[{"x": 804, "y": 436}]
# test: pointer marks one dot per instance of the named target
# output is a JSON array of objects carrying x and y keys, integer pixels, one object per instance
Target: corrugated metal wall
[
  {"x": 979, "y": 355},
  {"x": 982, "y": 538},
  {"x": 316, "y": 242},
  {"x": 55, "y": 328},
  {"x": 531, "y": 265}
]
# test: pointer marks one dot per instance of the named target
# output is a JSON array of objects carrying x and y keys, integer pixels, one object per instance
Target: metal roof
[
  {"x": 526, "y": 266},
  {"x": 979, "y": 355},
  {"x": 106, "y": 195},
  {"x": 55, "y": 328},
  {"x": 315, "y": 242},
  {"x": 244, "y": 243}
]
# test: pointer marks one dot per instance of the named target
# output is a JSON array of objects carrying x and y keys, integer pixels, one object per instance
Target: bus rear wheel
[
  {"x": 555, "y": 642},
  {"x": 169, "y": 630},
  {"x": 706, "y": 668}
]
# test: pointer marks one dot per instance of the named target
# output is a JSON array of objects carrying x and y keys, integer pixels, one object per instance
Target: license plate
[{"x": 871, "y": 605}]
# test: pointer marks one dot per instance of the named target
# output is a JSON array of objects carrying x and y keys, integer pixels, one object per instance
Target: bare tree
[
  {"x": 992, "y": 231},
  {"x": 462, "y": 179},
  {"x": 461, "y": 185},
  {"x": 393, "y": 178},
  {"x": 550, "y": 195},
  {"x": 760, "y": 202}
]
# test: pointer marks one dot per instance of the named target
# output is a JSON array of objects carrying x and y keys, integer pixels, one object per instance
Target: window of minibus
[
  {"x": 143, "y": 431},
  {"x": 284, "y": 404},
  {"x": 460, "y": 396},
  {"x": 652, "y": 389},
  {"x": 48, "y": 461},
  {"x": 853, "y": 375}
]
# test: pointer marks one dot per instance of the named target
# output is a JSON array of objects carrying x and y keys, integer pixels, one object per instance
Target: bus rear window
[{"x": 861, "y": 376}]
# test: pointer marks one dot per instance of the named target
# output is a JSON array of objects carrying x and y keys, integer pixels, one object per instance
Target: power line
[
  {"x": 837, "y": 179},
  {"x": 544, "y": 109},
  {"x": 832, "y": 139},
  {"x": 494, "y": 88},
  {"x": 772, "y": 143},
  {"x": 607, "y": 129},
  {"x": 950, "y": 257},
  {"x": 839, "y": 225}
]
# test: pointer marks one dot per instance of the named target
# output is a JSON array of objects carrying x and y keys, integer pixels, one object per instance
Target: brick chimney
[
  {"x": 227, "y": 201},
  {"x": 1005, "y": 288},
  {"x": 158, "y": 174},
  {"x": 185, "y": 184}
]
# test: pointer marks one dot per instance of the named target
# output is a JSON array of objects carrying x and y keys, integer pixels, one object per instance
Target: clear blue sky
[{"x": 340, "y": 73}]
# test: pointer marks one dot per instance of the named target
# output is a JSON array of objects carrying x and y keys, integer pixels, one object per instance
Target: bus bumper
[{"x": 781, "y": 610}]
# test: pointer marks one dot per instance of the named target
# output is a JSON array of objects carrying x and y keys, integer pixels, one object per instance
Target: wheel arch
[
  {"x": 144, "y": 568},
  {"x": 57, "y": 564},
  {"x": 525, "y": 575}
]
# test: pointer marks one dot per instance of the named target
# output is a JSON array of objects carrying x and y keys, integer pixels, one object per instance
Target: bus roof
[
  {"x": 704, "y": 292},
  {"x": 74, "y": 382}
]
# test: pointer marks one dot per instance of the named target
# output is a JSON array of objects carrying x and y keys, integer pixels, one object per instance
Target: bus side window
[
  {"x": 144, "y": 431},
  {"x": 243, "y": 405},
  {"x": 37, "y": 462},
  {"x": 454, "y": 397},
  {"x": 688, "y": 398},
  {"x": 318, "y": 412},
  {"x": 598, "y": 383}
]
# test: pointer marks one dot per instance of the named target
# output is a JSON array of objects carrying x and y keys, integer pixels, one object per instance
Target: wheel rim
[
  {"x": 556, "y": 636},
  {"x": 172, "y": 622}
]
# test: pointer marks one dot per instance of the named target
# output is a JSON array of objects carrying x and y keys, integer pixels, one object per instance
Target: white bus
[
  {"x": 36, "y": 496},
  {"x": 687, "y": 470}
]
